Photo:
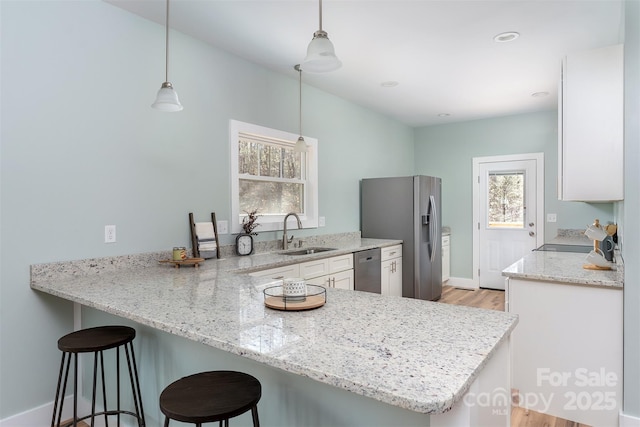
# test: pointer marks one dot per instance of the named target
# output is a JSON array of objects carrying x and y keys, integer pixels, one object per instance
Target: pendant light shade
[
  {"x": 301, "y": 144},
  {"x": 167, "y": 98},
  {"x": 321, "y": 56}
]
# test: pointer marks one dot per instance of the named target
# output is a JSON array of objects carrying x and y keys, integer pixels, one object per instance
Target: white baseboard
[
  {"x": 628, "y": 421},
  {"x": 461, "y": 282}
]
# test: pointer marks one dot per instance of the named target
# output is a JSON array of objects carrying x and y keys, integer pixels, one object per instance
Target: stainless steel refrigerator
[{"x": 408, "y": 208}]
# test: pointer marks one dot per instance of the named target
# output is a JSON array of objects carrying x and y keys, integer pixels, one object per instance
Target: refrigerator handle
[{"x": 433, "y": 239}]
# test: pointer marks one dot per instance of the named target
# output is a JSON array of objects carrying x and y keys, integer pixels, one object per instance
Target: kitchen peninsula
[{"x": 362, "y": 359}]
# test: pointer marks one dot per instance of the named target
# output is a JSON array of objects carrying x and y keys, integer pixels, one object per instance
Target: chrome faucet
[{"x": 285, "y": 241}]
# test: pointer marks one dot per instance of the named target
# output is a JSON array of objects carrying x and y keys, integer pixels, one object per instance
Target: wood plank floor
[{"x": 494, "y": 300}]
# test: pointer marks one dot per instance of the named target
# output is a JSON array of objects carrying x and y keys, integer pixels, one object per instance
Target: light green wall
[
  {"x": 631, "y": 210},
  {"x": 81, "y": 148},
  {"x": 447, "y": 151}
]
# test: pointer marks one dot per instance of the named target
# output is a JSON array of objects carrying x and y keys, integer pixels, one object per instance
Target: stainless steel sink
[{"x": 308, "y": 251}]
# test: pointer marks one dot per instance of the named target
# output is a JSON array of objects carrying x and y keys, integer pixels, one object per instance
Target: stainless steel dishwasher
[{"x": 366, "y": 273}]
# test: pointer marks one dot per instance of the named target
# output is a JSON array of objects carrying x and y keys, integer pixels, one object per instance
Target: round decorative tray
[{"x": 274, "y": 298}]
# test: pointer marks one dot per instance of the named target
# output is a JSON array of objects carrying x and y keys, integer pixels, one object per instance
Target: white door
[{"x": 508, "y": 212}]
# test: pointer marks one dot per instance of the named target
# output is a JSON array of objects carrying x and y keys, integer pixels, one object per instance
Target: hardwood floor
[{"x": 494, "y": 300}]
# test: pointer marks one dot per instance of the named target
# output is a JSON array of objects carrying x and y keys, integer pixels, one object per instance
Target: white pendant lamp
[
  {"x": 167, "y": 98},
  {"x": 301, "y": 144},
  {"x": 321, "y": 56}
]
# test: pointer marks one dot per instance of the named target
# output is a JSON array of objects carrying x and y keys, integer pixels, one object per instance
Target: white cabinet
[
  {"x": 334, "y": 272},
  {"x": 446, "y": 258},
  {"x": 279, "y": 272},
  {"x": 590, "y": 139},
  {"x": 566, "y": 351},
  {"x": 391, "y": 265}
]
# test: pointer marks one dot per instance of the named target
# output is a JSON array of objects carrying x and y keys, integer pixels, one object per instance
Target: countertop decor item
[
  {"x": 189, "y": 261},
  {"x": 244, "y": 241},
  {"x": 275, "y": 298},
  {"x": 595, "y": 259}
]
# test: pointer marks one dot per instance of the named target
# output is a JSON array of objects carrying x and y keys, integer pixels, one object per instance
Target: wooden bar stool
[
  {"x": 211, "y": 396},
  {"x": 96, "y": 340}
]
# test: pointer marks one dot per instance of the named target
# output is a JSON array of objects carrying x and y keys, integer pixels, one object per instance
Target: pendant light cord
[
  {"x": 166, "y": 47},
  {"x": 300, "y": 97},
  {"x": 320, "y": 2}
]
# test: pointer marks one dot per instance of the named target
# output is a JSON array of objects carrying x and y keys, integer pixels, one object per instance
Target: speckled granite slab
[
  {"x": 418, "y": 355},
  {"x": 564, "y": 267}
]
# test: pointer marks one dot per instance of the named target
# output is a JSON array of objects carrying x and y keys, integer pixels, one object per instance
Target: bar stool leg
[
  {"x": 135, "y": 383},
  {"x": 254, "y": 414},
  {"x": 104, "y": 389}
]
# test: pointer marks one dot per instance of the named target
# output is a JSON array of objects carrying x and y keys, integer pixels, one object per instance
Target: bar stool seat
[
  {"x": 211, "y": 396},
  {"x": 96, "y": 340}
]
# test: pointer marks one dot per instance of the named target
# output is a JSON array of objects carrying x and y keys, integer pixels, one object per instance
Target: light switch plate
[
  {"x": 551, "y": 217},
  {"x": 223, "y": 227}
]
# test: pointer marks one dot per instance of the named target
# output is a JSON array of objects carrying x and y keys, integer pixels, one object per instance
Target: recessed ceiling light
[
  {"x": 506, "y": 37},
  {"x": 389, "y": 83},
  {"x": 540, "y": 94},
  {"x": 444, "y": 115}
]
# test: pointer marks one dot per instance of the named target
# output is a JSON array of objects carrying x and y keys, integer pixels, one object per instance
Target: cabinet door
[
  {"x": 568, "y": 345},
  {"x": 315, "y": 268},
  {"x": 340, "y": 263},
  {"x": 319, "y": 281},
  {"x": 342, "y": 280},
  {"x": 278, "y": 272},
  {"x": 590, "y": 137},
  {"x": 395, "y": 278},
  {"x": 446, "y": 259},
  {"x": 385, "y": 278}
]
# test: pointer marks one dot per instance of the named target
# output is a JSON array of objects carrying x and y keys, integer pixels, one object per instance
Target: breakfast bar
[{"x": 360, "y": 359}]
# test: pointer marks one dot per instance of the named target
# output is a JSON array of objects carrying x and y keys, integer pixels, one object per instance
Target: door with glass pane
[{"x": 507, "y": 217}]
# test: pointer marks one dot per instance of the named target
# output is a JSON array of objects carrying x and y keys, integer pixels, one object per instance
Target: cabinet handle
[
  {"x": 328, "y": 282},
  {"x": 392, "y": 253},
  {"x": 334, "y": 281}
]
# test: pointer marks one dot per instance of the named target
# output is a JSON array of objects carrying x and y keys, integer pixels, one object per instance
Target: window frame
[{"x": 273, "y": 222}]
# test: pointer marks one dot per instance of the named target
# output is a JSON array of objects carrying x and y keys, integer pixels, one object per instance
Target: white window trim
[{"x": 273, "y": 222}]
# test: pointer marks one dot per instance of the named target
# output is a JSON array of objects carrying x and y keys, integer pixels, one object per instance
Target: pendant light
[
  {"x": 167, "y": 98},
  {"x": 321, "y": 56},
  {"x": 301, "y": 145}
]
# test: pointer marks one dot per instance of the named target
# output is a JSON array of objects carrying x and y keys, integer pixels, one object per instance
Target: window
[
  {"x": 506, "y": 200},
  {"x": 268, "y": 175}
]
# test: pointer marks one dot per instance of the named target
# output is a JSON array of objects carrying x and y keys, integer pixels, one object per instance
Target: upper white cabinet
[{"x": 590, "y": 140}]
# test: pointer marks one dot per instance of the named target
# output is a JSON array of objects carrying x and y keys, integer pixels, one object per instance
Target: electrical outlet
[
  {"x": 321, "y": 222},
  {"x": 551, "y": 217},
  {"x": 109, "y": 233},
  {"x": 223, "y": 227}
]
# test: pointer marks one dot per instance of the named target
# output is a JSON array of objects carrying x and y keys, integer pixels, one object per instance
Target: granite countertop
[
  {"x": 564, "y": 267},
  {"x": 418, "y": 355}
]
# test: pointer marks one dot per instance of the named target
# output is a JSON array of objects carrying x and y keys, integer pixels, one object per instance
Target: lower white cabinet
[
  {"x": 334, "y": 272},
  {"x": 279, "y": 272},
  {"x": 566, "y": 351},
  {"x": 391, "y": 265},
  {"x": 446, "y": 258}
]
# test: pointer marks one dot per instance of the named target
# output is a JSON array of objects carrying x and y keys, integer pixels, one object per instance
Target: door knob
[{"x": 531, "y": 233}]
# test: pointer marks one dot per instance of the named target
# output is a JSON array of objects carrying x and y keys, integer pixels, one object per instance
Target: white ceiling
[{"x": 441, "y": 53}]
